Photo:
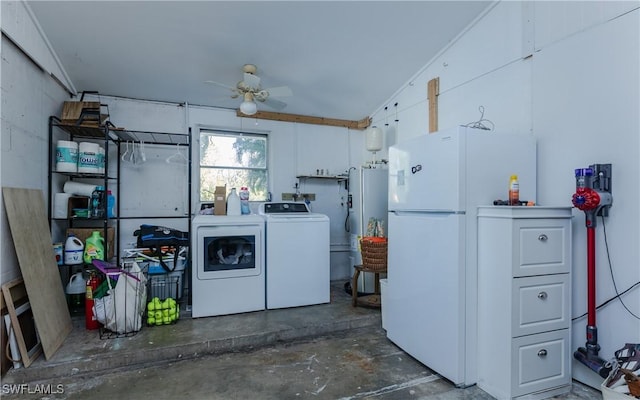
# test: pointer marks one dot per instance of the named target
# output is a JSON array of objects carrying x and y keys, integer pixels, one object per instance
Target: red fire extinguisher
[{"x": 90, "y": 319}]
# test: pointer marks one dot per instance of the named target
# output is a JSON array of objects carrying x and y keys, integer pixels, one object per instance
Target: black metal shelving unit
[
  {"x": 73, "y": 132},
  {"x": 161, "y": 139},
  {"x": 108, "y": 135}
]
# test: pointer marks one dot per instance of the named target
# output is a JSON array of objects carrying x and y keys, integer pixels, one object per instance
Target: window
[{"x": 235, "y": 159}]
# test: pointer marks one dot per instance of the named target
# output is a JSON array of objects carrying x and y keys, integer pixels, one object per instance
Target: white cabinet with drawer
[{"x": 524, "y": 301}]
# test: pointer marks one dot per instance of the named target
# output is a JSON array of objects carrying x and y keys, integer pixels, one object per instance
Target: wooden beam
[
  {"x": 433, "y": 90},
  {"x": 306, "y": 119}
]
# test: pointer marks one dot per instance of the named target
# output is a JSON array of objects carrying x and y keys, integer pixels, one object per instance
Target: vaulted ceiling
[{"x": 341, "y": 59}]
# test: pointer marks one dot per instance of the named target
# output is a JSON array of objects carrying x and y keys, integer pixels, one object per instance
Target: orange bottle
[{"x": 514, "y": 191}]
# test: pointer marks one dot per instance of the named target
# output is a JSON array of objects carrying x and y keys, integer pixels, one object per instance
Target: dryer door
[{"x": 225, "y": 251}]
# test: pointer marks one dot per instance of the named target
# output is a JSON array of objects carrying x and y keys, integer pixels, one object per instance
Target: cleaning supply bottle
[
  {"x": 98, "y": 202},
  {"x": 76, "y": 293},
  {"x": 233, "y": 203},
  {"x": 514, "y": 191},
  {"x": 73, "y": 249},
  {"x": 244, "y": 200},
  {"x": 94, "y": 248},
  {"x": 111, "y": 205}
]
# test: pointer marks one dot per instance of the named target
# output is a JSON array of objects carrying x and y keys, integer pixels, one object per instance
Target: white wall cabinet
[{"x": 524, "y": 301}]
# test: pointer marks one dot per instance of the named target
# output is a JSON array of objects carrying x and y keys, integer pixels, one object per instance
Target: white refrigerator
[
  {"x": 369, "y": 192},
  {"x": 436, "y": 182}
]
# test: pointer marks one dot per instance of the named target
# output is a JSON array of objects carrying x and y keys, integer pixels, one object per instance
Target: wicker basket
[
  {"x": 374, "y": 253},
  {"x": 621, "y": 387},
  {"x": 633, "y": 382}
]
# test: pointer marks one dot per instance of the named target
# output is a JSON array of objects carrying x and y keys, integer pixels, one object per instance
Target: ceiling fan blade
[
  {"x": 221, "y": 85},
  {"x": 275, "y": 104},
  {"x": 280, "y": 91},
  {"x": 251, "y": 81}
]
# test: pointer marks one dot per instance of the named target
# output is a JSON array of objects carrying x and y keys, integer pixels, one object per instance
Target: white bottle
[
  {"x": 73, "y": 250},
  {"x": 233, "y": 203}
]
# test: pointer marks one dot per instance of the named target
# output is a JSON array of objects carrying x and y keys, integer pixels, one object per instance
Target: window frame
[{"x": 204, "y": 132}]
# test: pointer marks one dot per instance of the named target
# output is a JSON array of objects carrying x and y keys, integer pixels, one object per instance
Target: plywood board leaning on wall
[{"x": 27, "y": 218}]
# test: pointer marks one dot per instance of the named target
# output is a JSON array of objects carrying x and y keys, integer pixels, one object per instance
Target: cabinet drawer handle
[
  {"x": 542, "y": 353},
  {"x": 543, "y": 238},
  {"x": 542, "y": 295}
]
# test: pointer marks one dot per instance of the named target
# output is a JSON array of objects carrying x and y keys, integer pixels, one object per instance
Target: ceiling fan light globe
[{"x": 248, "y": 107}]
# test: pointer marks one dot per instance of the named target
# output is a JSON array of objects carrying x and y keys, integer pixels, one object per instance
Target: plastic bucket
[
  {"x": 66, "y": 156},
  {"x": 88, "y": 158}
]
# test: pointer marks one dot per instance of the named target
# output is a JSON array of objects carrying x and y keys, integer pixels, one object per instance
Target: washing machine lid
[{"x": 284, "y": 208}]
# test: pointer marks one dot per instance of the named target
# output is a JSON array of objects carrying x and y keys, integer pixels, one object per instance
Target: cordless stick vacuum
[{"x": 593, "y": 196}]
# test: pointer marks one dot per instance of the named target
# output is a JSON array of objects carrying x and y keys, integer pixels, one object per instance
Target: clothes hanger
[{"x": 177, "y": 157}]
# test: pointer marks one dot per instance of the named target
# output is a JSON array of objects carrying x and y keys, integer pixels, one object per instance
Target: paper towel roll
[
  {"x": 60, "y": 204},
  {"x": 80, "y": 189},
  {"x": 88, "y": 157},
  {"x": 66, "y": 156}
]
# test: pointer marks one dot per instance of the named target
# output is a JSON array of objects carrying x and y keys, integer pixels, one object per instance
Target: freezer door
[
  {"x": 425, "y": 298},
  {"x": 425, "y": 172}
]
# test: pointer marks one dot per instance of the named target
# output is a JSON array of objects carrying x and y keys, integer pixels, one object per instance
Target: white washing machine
[
  {"x": 297, "y": 256},
  {"x": 228, "y": 264}
]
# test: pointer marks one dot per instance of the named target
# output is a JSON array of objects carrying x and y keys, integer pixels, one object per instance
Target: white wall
[
  {"x": 28, "y": 95},
  {"x": 156, "y": 188},
  {"x": 568, "y": 72}
]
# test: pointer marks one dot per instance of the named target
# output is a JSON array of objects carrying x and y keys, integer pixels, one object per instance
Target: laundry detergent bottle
[
  {"x": 233, "y": 203},
  {"x": 73, "y": 250},
  {"x": 94, "y": 248}
]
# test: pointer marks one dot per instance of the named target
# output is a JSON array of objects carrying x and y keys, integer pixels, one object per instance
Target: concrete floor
[{"x": 330, "y": 351}]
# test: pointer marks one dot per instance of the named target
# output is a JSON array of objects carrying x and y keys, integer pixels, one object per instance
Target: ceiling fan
[{"x": 251, "y": 91}]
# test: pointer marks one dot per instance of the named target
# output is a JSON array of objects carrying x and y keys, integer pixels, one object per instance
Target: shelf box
[{"x": 77, "y": 202}]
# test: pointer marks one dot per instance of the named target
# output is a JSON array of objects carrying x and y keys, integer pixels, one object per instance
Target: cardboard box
[
  {"x": 77, "y": 202},
  {"x": 220, "y": 200},
  {"x": 84, "y": 233}
]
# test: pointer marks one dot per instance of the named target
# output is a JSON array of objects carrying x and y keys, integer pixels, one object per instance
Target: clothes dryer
[{"x": 228, "y": 264}]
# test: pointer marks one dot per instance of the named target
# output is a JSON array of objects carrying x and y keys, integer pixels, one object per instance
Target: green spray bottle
[{"x": 94, "y": 248}]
